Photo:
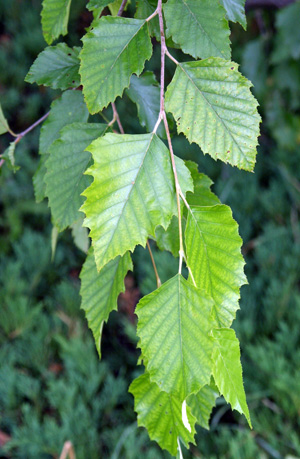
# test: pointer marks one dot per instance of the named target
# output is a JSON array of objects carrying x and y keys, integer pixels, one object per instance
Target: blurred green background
[{"x": 52, "y": 386}]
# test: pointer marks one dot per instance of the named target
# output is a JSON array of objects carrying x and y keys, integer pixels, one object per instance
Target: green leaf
[
  {"x": 213, "y": 250},
  {"x": 80, "y": 235},
  {"x": 213, "y": 106},
  {"x": 96, "y": 4},
  {"x": 202, "y": 195},
  {"x": 70, "y": 108},
  {"x": 174, "y": 326},
  {"x": 66, "y": 110},
  {"x": 133, "y": 192},
  {"x": 200, "y": 28},
  {"x": 113, "y": 50},
  {"x": 9, "y": 157},
  {"x": 39, "y": 185},
  {"x": 227, "y": 370},
  {"x": 168, "y": 239},
  {"x": 144, "y": 9},
  {"x": 55, "y": 18},
  {"x": 57, "y": 67},
  {"x": 235, "y": 11},
  {"x": 144, "y": 92},
  {"x": 100, "y": 291},
  {"x": 201, "y": 405},
  {"x": 3, "y": 123},
  {"x": 161, "y": 414},
  {"x": 66, "y": 165}
]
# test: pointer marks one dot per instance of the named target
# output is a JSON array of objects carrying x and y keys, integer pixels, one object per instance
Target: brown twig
[
  {"x": 30, "y": 128},
  {"x": 117, "y": 118},
  {"x": 122, "y": 7},
  {"x": 158, "y": 281}
]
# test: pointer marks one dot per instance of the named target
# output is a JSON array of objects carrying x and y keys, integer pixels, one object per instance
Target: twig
[
  {"x": 68, "y": 450},
  {"x": 158, "y": 281},
  {"x": 152, "y": 15},
  {"x": 117, "y": 118},
  {"x": 30, "y": 128},
  {"x": 122, "y": 7},
  {"x": 162, "y": 116}
]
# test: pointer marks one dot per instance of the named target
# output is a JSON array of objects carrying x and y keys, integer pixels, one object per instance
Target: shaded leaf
[
  {"x": 213, "y": 106},
  {"x": 227, "y": 370},
  {"x": 113, "y": 50},
  {"x": 200, "y": 28},
  {"x": 174, "y": 326},
  {"x": 202, "y": 404},
  {"x": 9, "y": 156},
  {"x": 235, "y": 11},
  {"x": 161, "y": 414},
  {"x": 100, "y": 291},
  {"x": 144, "y": 9},
  {"x": 55, "y": 18},
  {"x": 3, "y": 123},
  {"x": 145, "y": 93},
  {"x": 202, "y": 195},
  {"x": 57, "y": 67},
  {"x": 67, "y": 162},
  {"x": 213, "y": 250},
  {"x": 168, "y": 239},
  {"x": 70, "y": 108},
  {"x": 66, "y": 110},
  {"x": 133, "y": 192}
]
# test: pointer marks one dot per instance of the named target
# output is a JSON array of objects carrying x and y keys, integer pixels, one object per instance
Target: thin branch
[
  {"x": 122, "y": 7},
  {"x": 152, "y": 15},
  {"x": 158, "y": 281},
  {"x": 68, "y": 450},
  {"x": 177, "y": 189},
  {"x": 30, "y": 128},
  {"x": 171, "y": 57},
  {"x": 117, "y": 118},
  {"x": 162, "y": 115}
]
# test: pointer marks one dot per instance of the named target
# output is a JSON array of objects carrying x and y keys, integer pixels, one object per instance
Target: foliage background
[{"x": 52, "y": 386}]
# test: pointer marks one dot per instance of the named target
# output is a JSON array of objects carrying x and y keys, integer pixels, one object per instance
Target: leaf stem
[
  {"x": 162, "y": 116},
  {"x": 122, "y": 7},
  {"x": 117, "y": 118},
  {"x": 158, "y": 281}
]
